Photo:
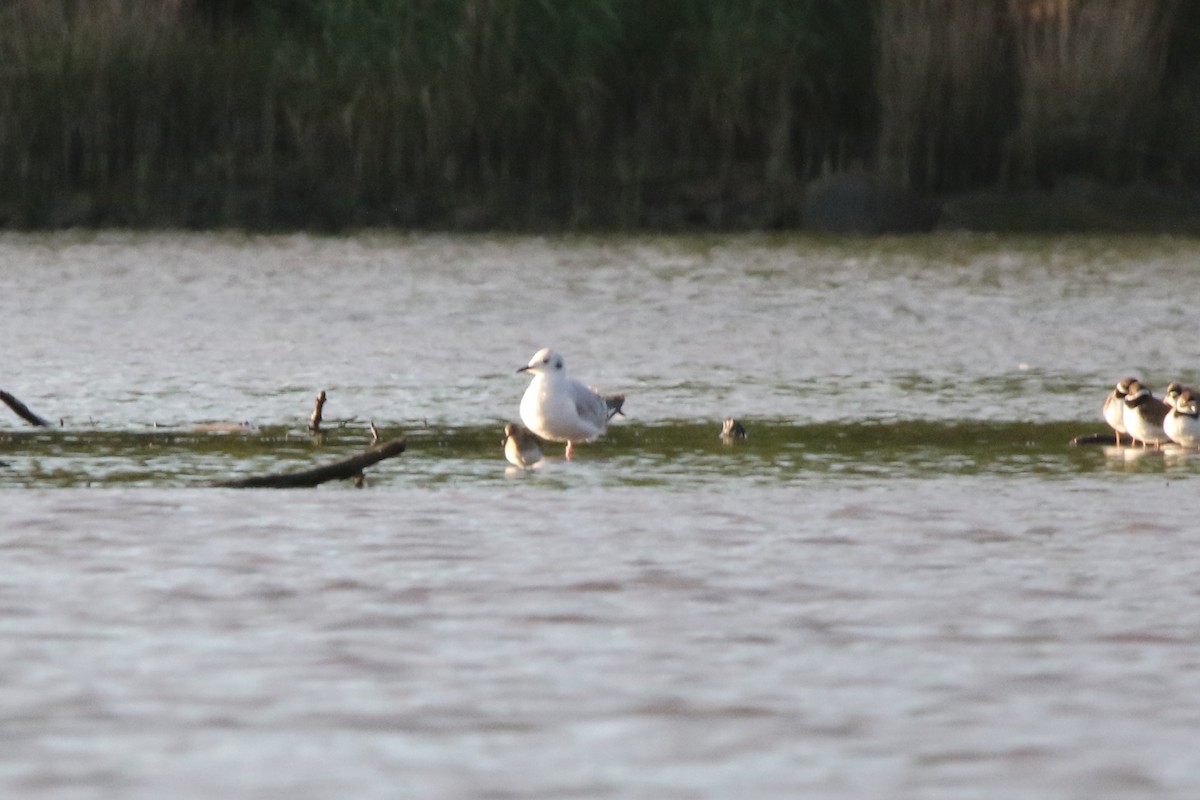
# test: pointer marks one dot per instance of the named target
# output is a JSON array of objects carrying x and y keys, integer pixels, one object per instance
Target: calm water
[{"x": 904, "y": 583}]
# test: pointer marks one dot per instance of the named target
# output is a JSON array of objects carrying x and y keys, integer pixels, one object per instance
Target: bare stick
[
  {"x": 314, "y": 422},
  {"x": 22, "y": 410},
  {"x": 349, "y": 468}
]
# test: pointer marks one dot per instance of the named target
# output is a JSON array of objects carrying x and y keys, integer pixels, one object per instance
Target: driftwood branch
[
  {"x": 1101, "y": 438},
  {"x": 349, "y": 468},
  {"x": 22, "y": 410}
]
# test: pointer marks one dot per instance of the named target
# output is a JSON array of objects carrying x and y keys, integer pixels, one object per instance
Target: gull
[
  {"x": 521, "y": 447},
  {"x": 559, "y": 408}
]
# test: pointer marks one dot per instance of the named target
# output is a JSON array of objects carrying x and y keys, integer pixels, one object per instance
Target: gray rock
[{"x": 860, "y": 203}]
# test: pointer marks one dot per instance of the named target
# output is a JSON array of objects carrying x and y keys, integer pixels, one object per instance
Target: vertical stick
[{"x": 314, "y": 422}]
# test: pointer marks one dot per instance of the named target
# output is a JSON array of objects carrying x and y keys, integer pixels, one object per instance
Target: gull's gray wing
[{"x": 590, "y": 406}]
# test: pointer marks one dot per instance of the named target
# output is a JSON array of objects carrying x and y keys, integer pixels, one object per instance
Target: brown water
[{"x": 903, "y": 584}]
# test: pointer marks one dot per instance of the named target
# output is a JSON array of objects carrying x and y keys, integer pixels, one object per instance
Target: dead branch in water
[
  {"x": 314, "y": 422},
  {"x": 1101, "y": 438},
  {"x": 22, "y": 410},
  {"x": 348, "y": 468}
]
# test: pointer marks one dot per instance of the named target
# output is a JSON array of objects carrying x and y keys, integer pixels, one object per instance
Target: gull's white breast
[{"x": 563, "y": 410}]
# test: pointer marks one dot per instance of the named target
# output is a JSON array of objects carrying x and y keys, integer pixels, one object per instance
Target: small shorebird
[
  {"x": 559, "y": 408},
  {"x": 1182, "y": 422},
  {"x": 1174, "y": 388},
  {"x": 1144, "y": 415},
  {"x": 1114, "y": 407},
  {"x": 521, "y": 447},
  {"x": 731, "y": 429}
]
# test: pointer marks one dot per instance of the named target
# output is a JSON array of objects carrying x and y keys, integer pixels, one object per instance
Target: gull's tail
[{"x": 614, "y": 403}]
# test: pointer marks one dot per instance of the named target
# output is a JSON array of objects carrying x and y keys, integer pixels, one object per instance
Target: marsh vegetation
[{"x": 572, "y": 113}]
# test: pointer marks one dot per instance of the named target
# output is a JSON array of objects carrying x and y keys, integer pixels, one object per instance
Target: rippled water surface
[{"x": 903, "y": 583}]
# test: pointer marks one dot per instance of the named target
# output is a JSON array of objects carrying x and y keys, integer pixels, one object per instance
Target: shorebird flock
[{"x": 1132, "y": 409}]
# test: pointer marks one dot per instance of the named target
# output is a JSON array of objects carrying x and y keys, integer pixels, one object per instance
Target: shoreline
[{"x": 1075, "y": 206}]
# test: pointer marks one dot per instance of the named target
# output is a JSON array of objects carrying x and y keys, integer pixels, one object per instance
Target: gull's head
[{"x": 545, "y": 362}]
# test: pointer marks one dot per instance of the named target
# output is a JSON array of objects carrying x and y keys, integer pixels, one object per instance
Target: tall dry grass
[
  {"x": 415, "y": 112},
  {"x": 1024, "y": 91},
  {"x": 117, "y": 112},
  {"x": 469, "y": 113},
  {"x": 1091, "y": 84},
  {"x": 944, "y": 80}
]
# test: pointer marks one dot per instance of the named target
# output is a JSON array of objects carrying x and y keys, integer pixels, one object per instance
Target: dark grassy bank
[{"x": 574, "y": 113}]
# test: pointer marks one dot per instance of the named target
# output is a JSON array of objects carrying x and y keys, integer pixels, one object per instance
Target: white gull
[{"x": 559, "y": 408}]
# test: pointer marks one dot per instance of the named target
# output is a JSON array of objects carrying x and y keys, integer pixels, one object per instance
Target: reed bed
[
  {"x": 1091, "y": 84},
  {"x": 570, "y": 113},
  {"x": 944, "y": 79},
  {"x": 1025, "y": 92}
]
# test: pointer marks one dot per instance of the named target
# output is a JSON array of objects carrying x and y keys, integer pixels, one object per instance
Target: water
[{"x": 904, "y": 583}]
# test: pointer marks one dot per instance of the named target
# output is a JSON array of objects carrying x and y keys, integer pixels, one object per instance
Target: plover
[
  {"x": 1114, "y": 407},
  {"x": 1144, "y": 415},
  {"x": 1182, "y": 422},
  {"x": 1174, "y": 388}
]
